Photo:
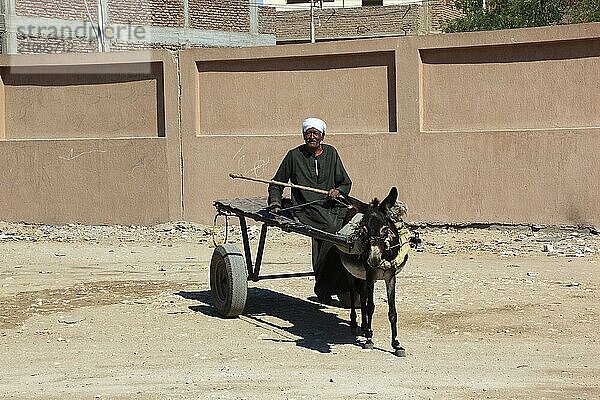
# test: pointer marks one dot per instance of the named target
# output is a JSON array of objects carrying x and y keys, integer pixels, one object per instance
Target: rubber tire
[{"x": 228, "y": 280}]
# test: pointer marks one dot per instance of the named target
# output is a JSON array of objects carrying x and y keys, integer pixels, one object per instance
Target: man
[{"x": 319, "y": 166}]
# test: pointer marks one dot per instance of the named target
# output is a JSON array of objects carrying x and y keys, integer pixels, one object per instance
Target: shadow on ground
[{"x": 316, "y": 329}]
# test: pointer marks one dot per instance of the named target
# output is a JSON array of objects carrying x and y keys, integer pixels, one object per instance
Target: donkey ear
[
  {"x": 390, "y": 200},
  {"x": 357, "y": 204}
]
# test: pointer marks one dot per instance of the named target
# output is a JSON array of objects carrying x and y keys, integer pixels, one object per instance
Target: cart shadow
[{"x": 290, "y": 319}]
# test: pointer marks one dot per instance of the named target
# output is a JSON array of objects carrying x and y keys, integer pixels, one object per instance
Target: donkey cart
[
  {"x": 231, "y": 269},
  {"x": 373, "y": 246}
]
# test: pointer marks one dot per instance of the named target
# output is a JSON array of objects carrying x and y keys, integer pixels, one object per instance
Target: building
[
  {"x": 301, "y": 4},
  {"x": 58, "y": 26},
  {"x": 334, "y": 22}
]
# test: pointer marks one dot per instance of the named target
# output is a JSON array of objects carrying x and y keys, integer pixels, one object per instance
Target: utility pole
[
  {"x": 312, "y": 21},
  {"x": 101, "y": 26},
  {"x": 253, "y": 4},
  {"x": 8, "y": 28}
]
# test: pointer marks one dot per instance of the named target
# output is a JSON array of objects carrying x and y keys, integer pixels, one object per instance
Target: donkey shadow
[{"x": 315, "y": 329}]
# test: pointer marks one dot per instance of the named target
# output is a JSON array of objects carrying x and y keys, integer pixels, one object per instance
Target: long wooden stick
[{"x": 290, "y": 185}]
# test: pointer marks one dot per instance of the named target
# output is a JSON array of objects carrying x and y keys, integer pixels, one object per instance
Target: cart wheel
[{"x": 228, "y": 280}]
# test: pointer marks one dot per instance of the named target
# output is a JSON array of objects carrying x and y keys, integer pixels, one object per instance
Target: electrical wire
[
  {"x": 338, "y": 7},
  {"x": 306, "y": 6},
  {"x": 90, "y": 18},
  {"x": 406, "y": 7}
]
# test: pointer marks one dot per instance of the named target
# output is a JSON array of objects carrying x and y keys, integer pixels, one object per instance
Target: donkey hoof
[
  {"x": 400, "y": 352},
  {"x": 368, "y": 345}
]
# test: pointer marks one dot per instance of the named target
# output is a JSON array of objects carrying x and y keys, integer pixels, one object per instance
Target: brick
[
  {"x": 63, "y": 9},
  {"x": 231, "y": 15},
  {"x": 147, "y": 12},
  {"x": 363, "y": 21},
  {"x": 267, "y": 20},
  {"x": 349, "y": 22}
]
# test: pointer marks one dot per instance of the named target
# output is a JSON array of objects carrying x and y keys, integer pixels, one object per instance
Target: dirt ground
[{"x": 125, "y": 313}]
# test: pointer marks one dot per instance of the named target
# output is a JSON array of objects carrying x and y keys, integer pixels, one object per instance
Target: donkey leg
[
  {"x": 369, "y": 309},
  {"x": 390, "y": 284},
  {"x": 353, "y": 324},
  {"x": 363, "y": 306}
]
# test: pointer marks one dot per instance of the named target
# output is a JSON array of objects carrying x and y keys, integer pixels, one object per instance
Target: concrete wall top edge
[
  {"x": 508, "y": 36},
  {"x": 117, "y": 57},
  {"x": 292, "y": 50},
  {"x": 485, "y": 38}
]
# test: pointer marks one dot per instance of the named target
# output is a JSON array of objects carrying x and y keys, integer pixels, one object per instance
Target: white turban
[{"x": 314, "y": 123}]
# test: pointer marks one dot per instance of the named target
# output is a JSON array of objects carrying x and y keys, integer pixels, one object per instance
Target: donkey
[{"x": 378, "y": 260}]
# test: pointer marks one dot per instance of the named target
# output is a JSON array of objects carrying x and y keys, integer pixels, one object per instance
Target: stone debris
[
  {"x": 508, "y": 241},
  {"x": 161, "y": 233},
  {"x": 548, "y": 248}
]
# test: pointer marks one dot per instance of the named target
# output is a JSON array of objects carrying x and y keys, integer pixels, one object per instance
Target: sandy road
[{"x": 133, "y": 320}]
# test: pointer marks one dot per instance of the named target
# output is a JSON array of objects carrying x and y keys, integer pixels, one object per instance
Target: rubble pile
[
  {"x": 162, "y": 233},
  {"x": 499, "y": 240},
  {"x": 510, "y": 240}
]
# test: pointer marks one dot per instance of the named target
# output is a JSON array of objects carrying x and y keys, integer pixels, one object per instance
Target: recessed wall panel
[
  {"x": 84, "y": 101},
  {"x": 552, "y": 85},
  {"x": 352, "y": 93}
]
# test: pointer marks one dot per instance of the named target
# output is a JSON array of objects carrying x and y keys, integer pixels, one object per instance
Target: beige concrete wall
[
  {"x": 497, "y": 127},
  {"x": 90, "y": 138}
]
